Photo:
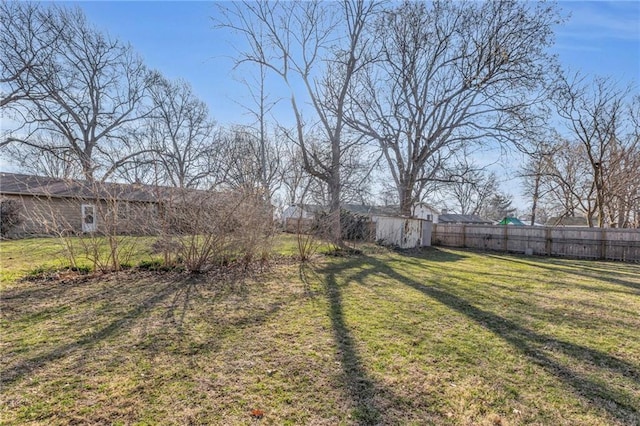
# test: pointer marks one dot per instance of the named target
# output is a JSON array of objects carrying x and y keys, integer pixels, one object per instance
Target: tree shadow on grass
[
  {"x": 358, "y": 384},
  {"x": 578, "y": 270},
  {"x": 537, "y": 347},
  {"x": 176, "y": 294},
  {"x": 433, "y": 254},
  {"x": 88, "y": 340},
  {"x": 182, "y": 301}
]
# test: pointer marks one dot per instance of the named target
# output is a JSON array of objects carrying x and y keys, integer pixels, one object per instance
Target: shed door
[
  {"x": 89, "y": 219},
  {"x": 426, "y": 233}
]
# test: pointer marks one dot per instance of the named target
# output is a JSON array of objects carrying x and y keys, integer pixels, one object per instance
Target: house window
[
  {"x": 429, "y": 217},
  {"x": 89, "y": 219}
]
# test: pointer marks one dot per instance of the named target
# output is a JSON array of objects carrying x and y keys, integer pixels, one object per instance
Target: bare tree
[
  {"x": 259, "y": 108},
  {"x": 568, "y": 184},
  {"x": 250, "y": 160},
  {"x": 535, "y": 173},
  {"x": 449, "y": 75},
  {"x": 85, "y": 88},
  {"x": 180, "y": 133},
  {"x": 594, "y": 113},
  {"x": 317, "y": 46},
  {"x": 472, "y": 189},
  {"x": 60, "y": 163},
  {"x": 26, "y": 43},
  {"x": 296, "y": 182},
  {"x": 622, "y": 198}
]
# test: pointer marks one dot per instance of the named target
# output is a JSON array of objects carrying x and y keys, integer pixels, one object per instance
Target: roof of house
[
  {"x": 463, "y": 218},
  {"x": 567, "y": 221},
  {"x": 428, "y": 206},
  {"x": 21, "y": 184},
  {"x": 357, "y": 209},
  {"x": 372, "y": 210},
  {"x": 311, "y": 208}
]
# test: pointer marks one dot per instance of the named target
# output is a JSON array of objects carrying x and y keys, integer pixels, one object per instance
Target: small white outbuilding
[{"x": 403, "y": 232}]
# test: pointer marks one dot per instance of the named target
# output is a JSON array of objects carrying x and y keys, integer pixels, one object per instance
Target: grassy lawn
[
  {"x": 32, "y": 255},
  {"x": 434, "y": 337}
]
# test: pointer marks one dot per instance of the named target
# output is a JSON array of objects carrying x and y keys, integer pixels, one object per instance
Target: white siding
[
  {"x": 423, "y": 212},
  {"x": 397, "y": 231}
]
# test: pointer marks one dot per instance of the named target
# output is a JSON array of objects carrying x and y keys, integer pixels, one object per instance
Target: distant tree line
[{"x": 394, "y": 95}]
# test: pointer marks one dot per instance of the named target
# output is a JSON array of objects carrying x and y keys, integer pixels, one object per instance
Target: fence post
[
  {"x": 464, "y": 236},
  {"x": 506, "y": 238},
  {"x": 434, "y": 230},
  {"x": 548, "y": 241},
  {"x": 603, "y": 244}
]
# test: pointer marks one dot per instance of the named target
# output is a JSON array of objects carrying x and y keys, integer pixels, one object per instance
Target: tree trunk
[
  {"x": 335, "y": 230},
  {"x": 405, "y": 191},
  {"x": 534, "y": 203}
]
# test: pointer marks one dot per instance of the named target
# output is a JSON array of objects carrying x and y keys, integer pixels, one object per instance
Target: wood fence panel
[{"x": 583, "y": 243}]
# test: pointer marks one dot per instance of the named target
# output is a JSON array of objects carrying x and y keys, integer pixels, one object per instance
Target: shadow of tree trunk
[
  {"x": 539, "y": 349},
  {"x": 360, "y": 387}
]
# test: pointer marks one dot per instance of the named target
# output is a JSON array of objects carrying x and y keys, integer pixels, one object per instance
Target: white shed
[{"x": 403, "y": 232}]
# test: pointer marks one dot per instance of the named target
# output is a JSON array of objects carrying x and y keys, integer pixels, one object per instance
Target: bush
[
  {"x": 202, "y": 230},
  {"x": 9, "y": 216},
  {"x": 354, "y": 227}
]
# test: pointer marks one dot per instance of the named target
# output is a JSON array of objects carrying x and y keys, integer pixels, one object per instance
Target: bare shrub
[
  {"x": 9, "y": 216},
  {"x": 254, "y": 230},
  {"x": 309, "y": 240},
  {"x": 95, "y": 224},
  {"x": 202, "y": 229},
  {"x": 355, "y": 227}
]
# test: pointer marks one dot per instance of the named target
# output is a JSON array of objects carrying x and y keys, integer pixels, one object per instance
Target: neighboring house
[
  {"x": 309, "y": 211},
  {"x": 511, "y": 221},
  {"x": 390, "y": 227},
  {"x": 301, "y": 211},
  {"x": 467, "y": 219},
  {"x": 577, "y": 221},
  {"x": 371, "y": 211},
  {"x": 299, "y": 217},
  {"x": 52, "y": 205},
  {"x": 426, "y": 212}
]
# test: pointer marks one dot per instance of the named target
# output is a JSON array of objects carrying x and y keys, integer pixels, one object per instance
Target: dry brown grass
[{"x": 438, "y": 337}]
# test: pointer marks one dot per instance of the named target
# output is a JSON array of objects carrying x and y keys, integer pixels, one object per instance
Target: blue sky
[{"x": 178, "y": 39}]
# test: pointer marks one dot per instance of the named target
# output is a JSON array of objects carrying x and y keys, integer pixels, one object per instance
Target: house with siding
[
  {"x": 569, "y": 221},
  {"x": 53, "y": 206},
  {"x": 310, "y": 211}
]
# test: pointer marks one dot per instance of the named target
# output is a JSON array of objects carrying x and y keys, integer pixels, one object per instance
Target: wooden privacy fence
[{"x": 582, "y": 243}]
